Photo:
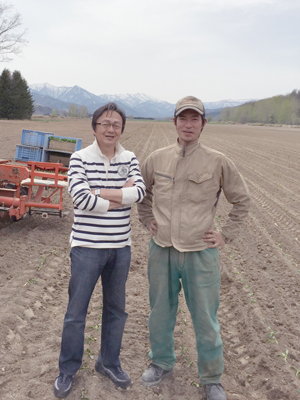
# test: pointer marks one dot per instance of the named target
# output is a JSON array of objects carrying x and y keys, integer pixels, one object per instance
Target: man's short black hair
[{"x": 108, "y": 107}]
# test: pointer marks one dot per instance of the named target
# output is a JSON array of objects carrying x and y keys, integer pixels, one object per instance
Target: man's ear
[
  {"x": 203, "y": 124},
  {"x": 174, "y": 121}
]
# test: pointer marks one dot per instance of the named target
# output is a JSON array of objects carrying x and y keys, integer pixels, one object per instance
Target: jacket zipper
[
  {"x": 166, "y": 176},
  {"x": 184, "y": 150}
]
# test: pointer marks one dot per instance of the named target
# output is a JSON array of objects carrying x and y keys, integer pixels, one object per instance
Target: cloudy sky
[{"x": 212, "y": 49}]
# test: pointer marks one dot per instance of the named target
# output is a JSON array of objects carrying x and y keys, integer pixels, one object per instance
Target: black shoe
[
  {"x": 62, "y": 385},
  {"x": 115, "y": 374},
  {"x": 214, "y": 391},
  {"x": 154, "y": 375}
]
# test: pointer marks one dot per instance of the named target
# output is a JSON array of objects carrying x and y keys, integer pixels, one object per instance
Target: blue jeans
[
  {"x": 199, "y": 274},
  {"x": 87, "y": 265}
]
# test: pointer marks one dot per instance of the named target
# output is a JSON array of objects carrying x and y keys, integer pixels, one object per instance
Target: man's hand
[
  {"x": 152, "y": 227},
  {"x": 214, "y": 238},
  {"x": 114, "y": 204},
  {"x": 129, "y": 183},
  {"x": 113, "y": 195}
]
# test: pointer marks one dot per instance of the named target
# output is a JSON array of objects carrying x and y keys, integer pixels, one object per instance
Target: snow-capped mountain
[
  {"x": 48, "y": 90},
  {"x": 131, "y": 100},
  {"x": 216, "y": 105},
  {"x": 137, "y": 105}
]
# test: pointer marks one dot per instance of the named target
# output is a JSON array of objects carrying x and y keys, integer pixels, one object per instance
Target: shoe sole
[
  {"x": 150, "y": 384},
  {"x": 106, "y": 372}
]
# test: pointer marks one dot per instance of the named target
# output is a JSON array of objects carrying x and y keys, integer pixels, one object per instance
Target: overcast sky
[{"x": 212, "y": 49}]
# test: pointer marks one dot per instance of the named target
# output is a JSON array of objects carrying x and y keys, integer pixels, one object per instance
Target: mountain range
[{"x": 48, "y": 97}]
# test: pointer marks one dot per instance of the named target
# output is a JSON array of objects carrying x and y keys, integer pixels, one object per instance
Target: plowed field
[{"x": 260, "y": 292}]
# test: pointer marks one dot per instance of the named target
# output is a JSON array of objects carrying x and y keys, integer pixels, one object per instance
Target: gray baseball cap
[{"x": 189, "y": 103}]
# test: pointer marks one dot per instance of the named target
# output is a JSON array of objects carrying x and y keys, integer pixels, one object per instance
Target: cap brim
[{"x": 189, "y": 107}]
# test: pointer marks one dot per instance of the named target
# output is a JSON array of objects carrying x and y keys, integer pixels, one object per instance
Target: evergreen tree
[
  {"x": 21, "y": 97},
  {"x": 15, "y": 98},
  {"x": 5, "y": 94}
]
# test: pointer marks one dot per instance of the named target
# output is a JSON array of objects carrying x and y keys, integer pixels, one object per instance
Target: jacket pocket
[
  {"x": 163, "y": 185},
  {"x": 199, "y": 178},
  {"x": 201, "y": 185}
]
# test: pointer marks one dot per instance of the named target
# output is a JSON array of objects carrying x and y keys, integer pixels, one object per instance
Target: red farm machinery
[
  {"x": 24, "y": 187},
  {"x": 37, "y": 177}
]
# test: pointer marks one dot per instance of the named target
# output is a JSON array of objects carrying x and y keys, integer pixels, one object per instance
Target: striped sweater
[{"x": 94, "y": 225}]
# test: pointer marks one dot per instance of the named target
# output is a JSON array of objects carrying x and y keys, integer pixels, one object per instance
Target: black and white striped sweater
[{"x": 94, "y": 225}]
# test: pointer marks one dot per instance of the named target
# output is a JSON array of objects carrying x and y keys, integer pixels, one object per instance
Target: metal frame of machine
[{"x": 22, "y": 186}]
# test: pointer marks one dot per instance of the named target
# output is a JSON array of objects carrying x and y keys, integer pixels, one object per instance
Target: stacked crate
[
  {"x": 32, "y": 145},
  {"x": 60, "y": 148},
  {"x": 46, "y": 147}
]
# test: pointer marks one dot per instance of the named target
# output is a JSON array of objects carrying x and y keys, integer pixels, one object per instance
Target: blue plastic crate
[
  {"x": 28, "y": 153},
  {"x": 34, "y": 138}
]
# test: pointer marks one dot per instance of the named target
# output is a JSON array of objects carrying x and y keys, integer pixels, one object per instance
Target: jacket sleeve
[
  {"x": 79, "y": 188},
  {"x": 145, "y": 207},
  {"x": 136, "y": 193},
  {"x": 237, "y": 193}
]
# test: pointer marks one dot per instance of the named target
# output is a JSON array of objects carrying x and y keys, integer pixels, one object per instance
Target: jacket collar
[
  {"x": 118, "y": 150},
  {"x": 184, "y": 151}
]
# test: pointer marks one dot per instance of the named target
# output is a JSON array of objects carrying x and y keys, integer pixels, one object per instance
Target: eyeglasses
[{"x": 107, "y": 125}]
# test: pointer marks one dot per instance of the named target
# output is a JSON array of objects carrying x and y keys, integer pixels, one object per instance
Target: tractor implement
[{"x": 23, "y": 187}]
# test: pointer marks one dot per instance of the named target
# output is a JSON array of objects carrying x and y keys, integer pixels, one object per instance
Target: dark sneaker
[
  {"x": 214, "y": 391},
  {"x": 62, "y": 385},
  {"x": 115, "y": 374},
  {"x": 154, "y": 375}
]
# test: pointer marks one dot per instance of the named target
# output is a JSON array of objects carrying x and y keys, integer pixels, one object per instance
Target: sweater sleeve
[
  {"x": 79, "y": 189},
  {"x": 136, "y": 193}
]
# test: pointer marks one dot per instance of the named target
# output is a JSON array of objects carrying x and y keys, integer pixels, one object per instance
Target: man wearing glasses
[
  {"x": 183, "y": 185},
  {"x": 104, "y": 181}
]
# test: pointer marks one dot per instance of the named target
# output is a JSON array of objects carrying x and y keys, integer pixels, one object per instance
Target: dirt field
[{"x": 260, "y": 293}]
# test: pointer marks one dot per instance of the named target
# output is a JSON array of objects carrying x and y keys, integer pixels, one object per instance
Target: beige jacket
[{"x": 183, "y": 185}]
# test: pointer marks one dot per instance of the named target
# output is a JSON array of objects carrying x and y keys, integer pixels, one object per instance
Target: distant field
[{"x": 260, "y": 293}]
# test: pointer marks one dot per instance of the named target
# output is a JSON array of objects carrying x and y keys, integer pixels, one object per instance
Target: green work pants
[{"x": 199, "y": 274}]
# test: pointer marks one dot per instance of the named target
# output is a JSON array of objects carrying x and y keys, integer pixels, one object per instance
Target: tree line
[
  {"x": 77, "y": 111},
  {"x": 73, "y": 111},
  {"x": 275, "y": 110},
  {"x": 15, "y": 99}
]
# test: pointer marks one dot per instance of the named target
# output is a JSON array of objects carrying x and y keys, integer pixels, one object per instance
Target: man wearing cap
[{"x": 183, "y": 185}]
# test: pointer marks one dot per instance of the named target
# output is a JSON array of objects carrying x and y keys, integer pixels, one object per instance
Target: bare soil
[{"x": 260, "y": 292}]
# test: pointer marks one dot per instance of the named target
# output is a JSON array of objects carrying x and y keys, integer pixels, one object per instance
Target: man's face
[
  {"x": 189, "y": 126},
  {"x": 108, "y": 129}
]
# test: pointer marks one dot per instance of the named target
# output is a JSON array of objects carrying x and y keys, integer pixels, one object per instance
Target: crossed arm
[{"x": 114, "y": 196}]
